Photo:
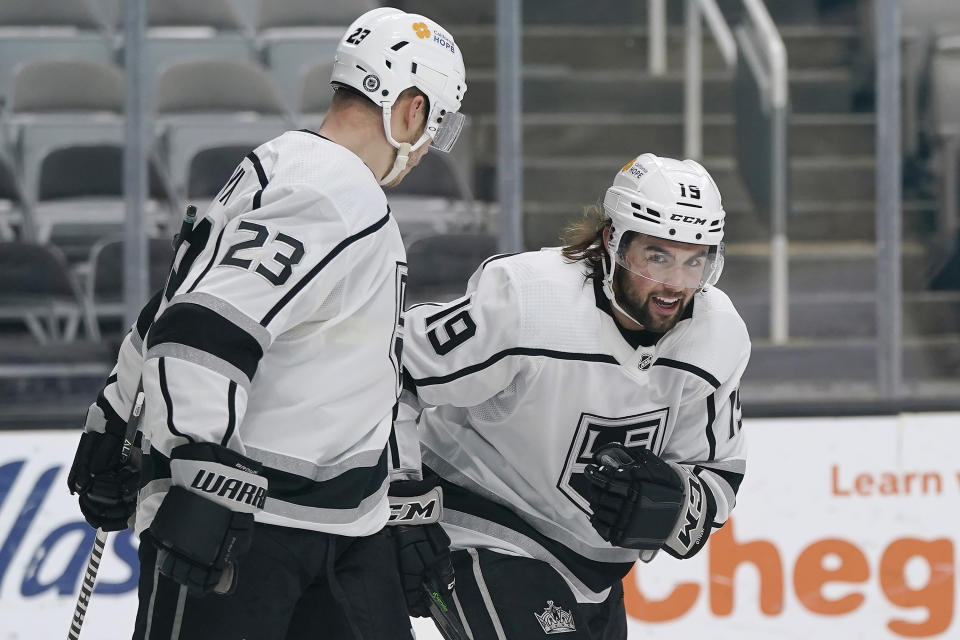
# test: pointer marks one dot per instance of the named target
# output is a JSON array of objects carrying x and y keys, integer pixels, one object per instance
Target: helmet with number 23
[{"x": 386, "y": 51}]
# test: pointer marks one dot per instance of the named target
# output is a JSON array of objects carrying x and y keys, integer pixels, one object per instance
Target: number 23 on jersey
[{"x": 265, "y": 252}]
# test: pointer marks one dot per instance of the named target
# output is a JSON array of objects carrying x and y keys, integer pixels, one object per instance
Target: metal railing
[{"x": 761, "y": 48}]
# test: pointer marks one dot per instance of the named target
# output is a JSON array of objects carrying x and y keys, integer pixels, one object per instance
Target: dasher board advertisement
[{"x": 844, "y": 529}]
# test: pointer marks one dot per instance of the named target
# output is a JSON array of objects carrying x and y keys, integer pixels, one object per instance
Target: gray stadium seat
[
  {"x": 211, "y": 168},
  {"x": 11, "y": 212},
  {"x": 209, "y": 171},
  {"x": 434, "y": 198},
  {"x": 298, "y": 64},
  {"x": 18, "y": 48},
  {"x": 945, "y": 87},
  {"x": 212, "y": 103},
  {"x": 183, "y": 30},
  {"x": 80, "y": 14},
  {"x": 929, "y": 18},
  {"x": 57, "y": 104},
  {"x": 38, "y": 29},
  {"x": 295, "y": 34},
  {"x": 945, "y": 109},
  {"x": 104, "y": 287},
  {"x": 441, "y": 264},
  {"x": 36, "y": 288},
  {"x": 923, "y": 22},
  {"x": 57, "y": 85},
  {"x": 217, "y": 14},
  {"x": 220, "y": 15},
  {"x": 80, "y": 192},
  {"x": 310, "y": 13},
  {"x": 167, "y": 47},
  {"x": 221, "y": 86},
  {"x": 315, "y": 93}
]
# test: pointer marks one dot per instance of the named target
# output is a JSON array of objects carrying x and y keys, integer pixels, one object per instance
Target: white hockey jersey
[
  {"x": 278, "y": 336},
  {"x": 528, "y": 374}
]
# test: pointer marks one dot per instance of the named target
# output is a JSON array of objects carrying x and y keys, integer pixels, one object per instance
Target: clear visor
[
  {"x": 447, "y": 131},
  {"x": 679, "y": 265}
]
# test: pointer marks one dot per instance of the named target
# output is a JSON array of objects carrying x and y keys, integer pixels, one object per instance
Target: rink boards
[{"x": 845, "y": 528}]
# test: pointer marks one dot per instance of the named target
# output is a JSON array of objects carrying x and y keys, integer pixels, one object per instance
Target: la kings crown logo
[
  {"x": 593, "y": 432},
  {"x": 555, "y": 619}
]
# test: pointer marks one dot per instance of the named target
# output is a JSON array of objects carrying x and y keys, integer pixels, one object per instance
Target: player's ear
[
  {"x": 416, "y": 113},
  {"x": 606, "y": 238}
]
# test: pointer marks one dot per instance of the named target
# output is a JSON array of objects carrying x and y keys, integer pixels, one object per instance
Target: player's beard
[{"x": 638, "y": 306}]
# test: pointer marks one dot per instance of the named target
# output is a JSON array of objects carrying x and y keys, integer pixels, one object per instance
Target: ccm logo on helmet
[
  {"x": 230, "y": 488},
  {"x": 676, "y": 217}
]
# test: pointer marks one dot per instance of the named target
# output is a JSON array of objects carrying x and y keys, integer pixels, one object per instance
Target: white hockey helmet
[
  {"x": 386, "y": 51},
  {"x": 670, "y": 199}
]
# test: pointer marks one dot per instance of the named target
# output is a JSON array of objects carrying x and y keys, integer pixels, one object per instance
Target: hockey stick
[
  {"x": 444, "y": 615},
  {"x": 86, "y": 589},
  {"x": 100, "y": 541}
]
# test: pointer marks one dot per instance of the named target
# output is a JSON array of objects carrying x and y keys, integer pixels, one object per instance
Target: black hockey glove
[
  {"x": 423, "y": 547},
  {"x": 204, "y": 525},
  {"x": 107, "y": 486},
  {"x": 639, "y": 501}
]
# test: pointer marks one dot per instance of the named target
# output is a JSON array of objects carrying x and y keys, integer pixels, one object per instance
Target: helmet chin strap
[
  {"x": 608, "y": 289},
  {"x": 403, "y": 149},
  {"x": 399, "y": 164}
]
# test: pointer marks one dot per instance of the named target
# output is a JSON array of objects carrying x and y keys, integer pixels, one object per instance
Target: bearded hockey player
[
  {"x": 270, "y": 371},
  {"x": 582, "y": 409}
]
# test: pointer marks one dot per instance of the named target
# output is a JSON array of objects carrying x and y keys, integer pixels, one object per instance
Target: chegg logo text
[{"x": 848, "y": 564}]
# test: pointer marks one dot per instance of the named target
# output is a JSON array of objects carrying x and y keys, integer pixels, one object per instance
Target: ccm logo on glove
[
  {"x": 218, "y": 482},
  {"x": 694, "y": 507},
  {"x": 422, "y": 509}
]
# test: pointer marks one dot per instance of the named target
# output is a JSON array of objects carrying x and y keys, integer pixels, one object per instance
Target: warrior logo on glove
[{"x": 594, "y": 432}]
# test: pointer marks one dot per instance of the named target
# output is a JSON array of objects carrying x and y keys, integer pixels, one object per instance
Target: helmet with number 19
[
  {"x": 667, "y": 224},
  {"x": 386, "y": 51}
]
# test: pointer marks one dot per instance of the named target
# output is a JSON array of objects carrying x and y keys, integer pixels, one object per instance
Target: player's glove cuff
[
  {"x": 696, "y": 518},
  {"x": 423, "y": 547},
  {"x": 204, "y": 525},
  {"x": 107, "y": 485},
  {"x": 219, "y": 474},
  {"x": 415, "y": 502}
]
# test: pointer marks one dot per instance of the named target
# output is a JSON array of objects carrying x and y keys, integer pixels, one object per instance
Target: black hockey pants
[
  {"x": 503, "y": 597},
  {"x": 293, "y": 585}
]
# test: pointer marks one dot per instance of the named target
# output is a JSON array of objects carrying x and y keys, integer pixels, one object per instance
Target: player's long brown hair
[{"x": 583, "y": 240}]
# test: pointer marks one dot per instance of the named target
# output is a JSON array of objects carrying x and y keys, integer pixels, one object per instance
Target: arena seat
[
  {"x": 211, "y": 103},
  {"x": 434, "y": 198},
  {"x": 209, "y": 171},
  {"x": 57, "y": 104},
  {"x": 441, "y": 264},
  {"x": 104, "y": 286},
  {"x": 80, "y": 193},
  {"x": 40, "y": 29},
  {"x": 295, "y": 34},
  {"x": 36, "y": 288}
]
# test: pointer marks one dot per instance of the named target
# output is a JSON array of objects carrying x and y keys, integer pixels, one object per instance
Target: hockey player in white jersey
[
  {"x": 581, "y": 407},
  {"x": 270, "y": 370}
]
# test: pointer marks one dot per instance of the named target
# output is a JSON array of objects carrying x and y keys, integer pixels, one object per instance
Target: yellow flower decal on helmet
[{"x": 421, "y": 29}]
